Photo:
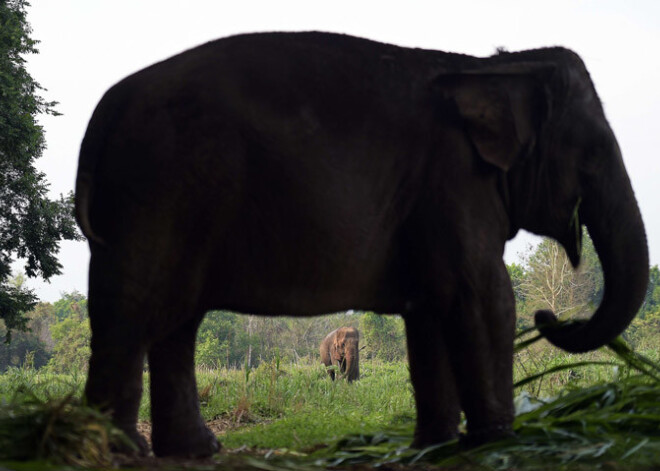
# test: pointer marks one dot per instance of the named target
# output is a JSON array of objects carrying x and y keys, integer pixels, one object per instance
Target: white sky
[{"x": 88, "y": 45}]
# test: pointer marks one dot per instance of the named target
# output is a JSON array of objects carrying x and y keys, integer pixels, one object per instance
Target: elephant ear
[
  {"x": 337, "y": 341},
  {"x": 500, "y": 112}
]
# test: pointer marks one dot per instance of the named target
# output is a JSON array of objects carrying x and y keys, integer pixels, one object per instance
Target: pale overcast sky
[{"x": 88, "y": 45}]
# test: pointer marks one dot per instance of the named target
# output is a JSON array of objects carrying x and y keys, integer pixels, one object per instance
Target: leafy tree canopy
[
  {"x": 383, "y": 336},
  {"x": 31, "y": 225}
]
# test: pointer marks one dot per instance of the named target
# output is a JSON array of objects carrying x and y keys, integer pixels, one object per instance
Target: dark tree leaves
[{"x": 31, "y": 225}]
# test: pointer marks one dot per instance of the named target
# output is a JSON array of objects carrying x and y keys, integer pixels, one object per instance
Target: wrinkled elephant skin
[{"x": 311, "y": 173}]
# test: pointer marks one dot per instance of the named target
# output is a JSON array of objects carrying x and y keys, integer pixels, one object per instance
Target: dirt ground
[
  {"x": 230, "y": 460},
  {"x": 217, "y": 426}
]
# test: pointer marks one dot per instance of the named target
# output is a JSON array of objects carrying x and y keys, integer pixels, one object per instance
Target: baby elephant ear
[{"x": 500, "y": 114}]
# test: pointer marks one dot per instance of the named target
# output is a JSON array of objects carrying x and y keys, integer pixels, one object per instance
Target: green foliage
[
  {"x": 71, "y": 334},
  {"x": 31, "y": 225},
  {"x": 644, "y": 331},
  {"x": 217, "y": 343},
  {"x": 57, "y": 336},
  {"x": 71, "y": 351},
  {"x": 25, "y": 350},
  {"x": 69, "y": 305},
  {"x": 58, "y": 429},
  {"x": 652, "y": 299},
  {"x": 517, "y": 276},
  {"x": 30, "y": 346},
  {"x": 383, "y": 336},
  {"x": 14, "y": 302}
]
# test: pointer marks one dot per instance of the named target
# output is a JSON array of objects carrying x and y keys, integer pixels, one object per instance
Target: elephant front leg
[
  {"x": 329, "y": 368},
  {"x": 436, "y": 397},
  {"x": 178, "y": 427},
  {"x": 331, "y": 372},
  {"x": 481, "y": 351}
]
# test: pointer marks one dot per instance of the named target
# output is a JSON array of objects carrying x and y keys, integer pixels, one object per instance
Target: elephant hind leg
[
  {"x": 178, "y": 427},
  {"x": 114, "y": 380}
]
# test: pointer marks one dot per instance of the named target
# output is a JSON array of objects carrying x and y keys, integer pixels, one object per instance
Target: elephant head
[
  {"x": 345, "y": 352},
  {"x": 537, "y": 117}
]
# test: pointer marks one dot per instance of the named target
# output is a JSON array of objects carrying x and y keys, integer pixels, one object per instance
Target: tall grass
[
  {"x": 17, "y": 384},
  {"x": 296, "y": 406}
]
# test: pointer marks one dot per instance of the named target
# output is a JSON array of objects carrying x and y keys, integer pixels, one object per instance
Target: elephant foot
[
  {"x": 140, "y": 446},
  {"x": 494, "y": 433},
  {"x": 200, "y": 444},
  {"x": 425, "y": 440}
]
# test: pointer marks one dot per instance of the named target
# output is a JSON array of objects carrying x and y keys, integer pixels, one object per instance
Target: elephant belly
[
  {"x": 283, "y": 261},
  {"x": 301, "y": 276}
]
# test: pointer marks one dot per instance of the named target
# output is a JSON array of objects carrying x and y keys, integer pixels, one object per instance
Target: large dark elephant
[
  {"x": 310, "y": 173},
  {"x": 341, "y": 349}
]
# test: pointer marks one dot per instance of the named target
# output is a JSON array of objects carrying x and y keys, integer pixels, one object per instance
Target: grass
[
  {"x": 58, "y": 429},
  {"x": 313, "y": 410},
  {"x": 600, "y": 408},
  {"x": 298, "y": 406},
  {"x": 615, "y": 424}
]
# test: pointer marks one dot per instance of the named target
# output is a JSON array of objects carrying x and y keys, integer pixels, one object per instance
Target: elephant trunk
[
  {"x": 352, "y": 365},
  {"x": 611, "y": 214}
]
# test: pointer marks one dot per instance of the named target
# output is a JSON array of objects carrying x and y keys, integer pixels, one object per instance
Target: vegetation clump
[{"x": 60, "y": 430}]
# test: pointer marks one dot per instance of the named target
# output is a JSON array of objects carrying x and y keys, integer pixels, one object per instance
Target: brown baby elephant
[{"x": 340, "y": 348}]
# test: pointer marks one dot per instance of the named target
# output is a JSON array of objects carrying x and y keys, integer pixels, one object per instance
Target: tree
[
  {"x": 644, "y": 330},
  {"x": 71, "y": 304},
  {"x": 550, "y": 282},
  {"x": 652, "y": 299},
  {"x": 383, "y": 335},
  {"x": 217, "y": 340},
  {"x": 71, "y": 351},
  {"x": 26, "y": 349},
  {"x": 33, "y": 346},
  {"x": 71, "y": 334},
  {"x": 517, "y": 275},
  {"x": 42, "y": 317},
  {"x": 31, "y": 225}
]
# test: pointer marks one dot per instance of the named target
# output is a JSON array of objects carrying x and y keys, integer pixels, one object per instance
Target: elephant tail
[
  {"x": 102, "y": 123},
  {"x": 84, "y": 190}
]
